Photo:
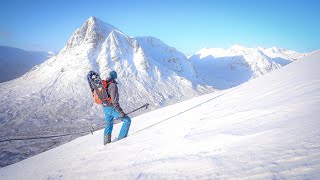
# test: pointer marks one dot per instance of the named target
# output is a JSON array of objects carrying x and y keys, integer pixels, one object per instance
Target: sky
[{"x": 187, "y": 25}]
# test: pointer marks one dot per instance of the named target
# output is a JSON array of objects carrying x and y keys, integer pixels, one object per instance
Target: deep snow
[{"x": 267, "y": 128}]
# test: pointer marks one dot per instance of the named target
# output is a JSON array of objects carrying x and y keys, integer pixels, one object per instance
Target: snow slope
[
  {"x": 267, "y": 128},
  {"x": 15, "y": 62},
  {"x": 55, "y": 98},
  {"x": 226, "y": 68}
]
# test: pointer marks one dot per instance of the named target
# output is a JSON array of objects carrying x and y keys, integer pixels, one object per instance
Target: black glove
[
  {"x": 92, "y": 90},
  {"x": 122, "y": 114}
]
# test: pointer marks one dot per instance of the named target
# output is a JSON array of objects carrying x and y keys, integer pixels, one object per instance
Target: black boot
[{"x": 107, "y": 139}]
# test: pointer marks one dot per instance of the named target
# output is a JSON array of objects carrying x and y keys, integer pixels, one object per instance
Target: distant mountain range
[
  {"x": 226, "y": 68},
  {"x": 15, "y": 62}
]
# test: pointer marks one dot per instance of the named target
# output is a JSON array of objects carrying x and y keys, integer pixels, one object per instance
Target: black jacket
[{"x": 114, "y": 94}]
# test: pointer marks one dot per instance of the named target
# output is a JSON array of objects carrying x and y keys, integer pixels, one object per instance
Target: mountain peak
[
  {"x": 92, "y": 21},
  {"x": 92, "y": 18},
  {"x": 93, "y": 31},
  {"x": 96, "y": 22}
]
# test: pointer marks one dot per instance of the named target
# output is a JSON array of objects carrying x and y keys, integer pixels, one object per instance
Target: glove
[
  {"x": 122, "y": 114},
  {"x": 92, "y": 90}
]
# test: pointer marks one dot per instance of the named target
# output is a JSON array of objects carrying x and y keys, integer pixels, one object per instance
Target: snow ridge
[{"x": 225, "y": 68}]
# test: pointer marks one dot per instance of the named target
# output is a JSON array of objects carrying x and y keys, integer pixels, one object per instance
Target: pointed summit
[
  {"x": 93, "y": 31},
  {"x": 97, "y": 23},
  {"x": 92, "y": 19}
]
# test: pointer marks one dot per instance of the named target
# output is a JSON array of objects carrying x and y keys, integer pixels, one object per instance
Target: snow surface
[
  {"x": 267, "y": 128},
  {"x": 54, "y": 98},
  {"x": 15, "y": 62},
  {"x": 226, "y": 68}
]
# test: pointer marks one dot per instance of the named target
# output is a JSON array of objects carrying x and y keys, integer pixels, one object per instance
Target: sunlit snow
[{"x": 267, "y": 128}]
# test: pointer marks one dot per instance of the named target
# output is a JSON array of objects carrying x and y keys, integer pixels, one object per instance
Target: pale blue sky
[{"x": 188, "y": 25}]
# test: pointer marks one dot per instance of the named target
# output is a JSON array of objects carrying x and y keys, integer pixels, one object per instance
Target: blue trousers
[{"x": 110, "y": 114}]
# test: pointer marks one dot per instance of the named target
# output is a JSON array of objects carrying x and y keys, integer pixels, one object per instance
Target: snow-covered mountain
[
  {"x": 267, "y": 128},
  {"x": 55, "y": 98},
  {"x": 226, "y": 68},
  {"x": 15, "y": 62}
]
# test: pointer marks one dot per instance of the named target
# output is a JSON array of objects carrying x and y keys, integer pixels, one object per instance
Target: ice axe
[{"x": 146, "y": 105}]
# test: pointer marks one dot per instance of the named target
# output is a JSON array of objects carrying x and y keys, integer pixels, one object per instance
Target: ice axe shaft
[{"x": 146, "y": 105}]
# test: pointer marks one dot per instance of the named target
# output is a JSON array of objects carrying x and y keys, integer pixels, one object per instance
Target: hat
[{"x": 113, "y": 75}]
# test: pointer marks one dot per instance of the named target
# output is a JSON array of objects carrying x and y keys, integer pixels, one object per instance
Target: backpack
[{"x": 102, "y": 95}]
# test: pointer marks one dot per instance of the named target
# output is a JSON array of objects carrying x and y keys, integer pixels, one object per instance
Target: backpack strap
[{"x": 105, "y": 85}]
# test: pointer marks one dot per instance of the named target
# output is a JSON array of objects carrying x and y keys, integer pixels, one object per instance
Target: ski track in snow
[{"x": 267, "y": 128}]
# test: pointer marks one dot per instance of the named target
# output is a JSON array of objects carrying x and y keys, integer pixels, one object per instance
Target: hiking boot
[{"x": 107, "y": 139}]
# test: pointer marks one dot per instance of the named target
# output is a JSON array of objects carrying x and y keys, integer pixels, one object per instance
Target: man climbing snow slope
[{"x": 112, "y": 108}]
